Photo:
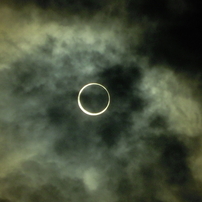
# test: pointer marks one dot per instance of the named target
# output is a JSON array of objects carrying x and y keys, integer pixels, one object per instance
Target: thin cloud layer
[{"x": 145, "y": 147}]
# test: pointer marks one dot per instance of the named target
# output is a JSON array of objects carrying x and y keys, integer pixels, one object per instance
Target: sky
[{"x": 146, "y": 147}]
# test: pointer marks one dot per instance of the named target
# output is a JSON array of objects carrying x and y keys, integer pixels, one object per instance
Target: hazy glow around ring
[{"x": 87, "y": 112}]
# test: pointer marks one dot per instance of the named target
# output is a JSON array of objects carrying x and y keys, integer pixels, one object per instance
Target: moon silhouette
[{"x": 84, "y": 110}]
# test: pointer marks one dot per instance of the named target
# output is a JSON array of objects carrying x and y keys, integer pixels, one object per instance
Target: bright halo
[{"x": 87, "y": 112}]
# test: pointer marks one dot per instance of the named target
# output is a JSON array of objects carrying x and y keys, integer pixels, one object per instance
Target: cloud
[{"x": 144, "y": 147}]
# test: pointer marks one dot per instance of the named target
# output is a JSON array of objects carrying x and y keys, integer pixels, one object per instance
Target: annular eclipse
[{"x": 88, "y": 112}]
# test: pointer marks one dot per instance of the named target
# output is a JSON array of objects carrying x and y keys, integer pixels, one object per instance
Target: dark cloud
[
  {"x": 174, "y": 157},
  {"x": 176, "y": 40},
  {"x": 158, "y": 122},
  {"x": 87, "y": 8},
  {"x": 146, "y": 146},
  {"x": 4, "y": 200}
]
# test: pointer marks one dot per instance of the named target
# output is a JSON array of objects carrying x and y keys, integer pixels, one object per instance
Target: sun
[{"x": 84, "y": 110}]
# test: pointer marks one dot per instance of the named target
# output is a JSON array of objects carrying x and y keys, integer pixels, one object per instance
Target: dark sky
[{"x": 146, "y": 147}]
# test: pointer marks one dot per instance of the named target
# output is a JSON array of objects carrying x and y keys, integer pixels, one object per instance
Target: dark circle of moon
[{"x": 84, "y": 110}]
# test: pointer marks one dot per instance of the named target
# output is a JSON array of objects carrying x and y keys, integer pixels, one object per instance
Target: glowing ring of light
[{"x": 90, "y": 113}]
